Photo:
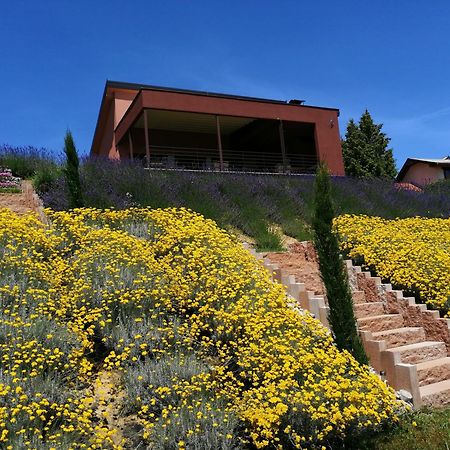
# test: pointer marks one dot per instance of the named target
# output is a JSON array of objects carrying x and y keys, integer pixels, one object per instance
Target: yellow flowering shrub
[
  {"x": 412, "y": 253},
  {"x": 207, "y": 350}
]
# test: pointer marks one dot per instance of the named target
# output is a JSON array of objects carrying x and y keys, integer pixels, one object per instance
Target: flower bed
[
  {"x": 208, "y": 352},
  {"x": 412, "y": 253},
  {"x": 8, "y": 183}
]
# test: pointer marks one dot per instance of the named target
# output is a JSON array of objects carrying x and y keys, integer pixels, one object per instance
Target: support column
[
  {"x": 283, "y": 145},
  {"x": 147, "y": 145},
  {"x": 219, "y": 143},
  {"x": 130, "y": 144}
]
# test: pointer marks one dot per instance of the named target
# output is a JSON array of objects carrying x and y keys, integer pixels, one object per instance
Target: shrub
[{"x": 71, "y": 172}]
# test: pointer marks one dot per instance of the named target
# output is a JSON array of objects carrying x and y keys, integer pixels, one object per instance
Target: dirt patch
[
  {"x": 21, "y": 203},
  {"x": 24, "y": 202},
  {"x": 108, "y": 397},
  {"x": 300, "y": 261}
]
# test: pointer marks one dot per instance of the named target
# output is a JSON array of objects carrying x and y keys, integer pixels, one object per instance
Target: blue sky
[{"x": 392, "y": 57}]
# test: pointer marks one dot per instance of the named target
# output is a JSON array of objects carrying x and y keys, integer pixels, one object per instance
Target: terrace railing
[{"x": 249, "y": 160}]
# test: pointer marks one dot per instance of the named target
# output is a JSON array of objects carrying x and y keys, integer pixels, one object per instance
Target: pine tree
[
  {"x": 71, "y": 172},
  {"x": 333, "y": 272},
  {"x": 365, "y": 149}
]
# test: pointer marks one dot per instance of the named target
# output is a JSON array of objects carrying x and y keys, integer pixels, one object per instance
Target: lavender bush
[{"x": 250, "y": 203}]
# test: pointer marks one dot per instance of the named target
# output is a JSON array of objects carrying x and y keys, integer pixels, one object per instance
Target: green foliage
[
  {"x": 10, "y": 190},
  {"x": 45, "y": 178},
  {"x": 365, "y": 150},
  {"x": 341, "y": 317},
  {"x": 441, "y": 187},
  {"x": 71, "y": 172}
]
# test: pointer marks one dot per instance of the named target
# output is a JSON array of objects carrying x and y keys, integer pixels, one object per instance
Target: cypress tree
[
  {"x": 365, "y": 149},
  {"x": 71, "y": 172},
  {"x": 333, "y": 272}
]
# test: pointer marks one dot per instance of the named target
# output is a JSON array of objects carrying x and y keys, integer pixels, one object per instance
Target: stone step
[
  {"x": 436, "y": 394},
  {"x": 381, "y": 323},
  {"x": 420, "y": 352},
  {"x": 400, "y": 336},
  {"x": 368, "y": 309},
  {"x": 376, "y": 280},
  {"x": 433, "y": 371},
  {"x": 359, "y": 297}
]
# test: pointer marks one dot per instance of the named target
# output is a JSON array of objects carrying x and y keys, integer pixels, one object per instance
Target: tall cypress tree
[
  {"x": 71, "y": 172},
  {"x": 365, "y": 149},
  {"x": 333, "y": 272}
]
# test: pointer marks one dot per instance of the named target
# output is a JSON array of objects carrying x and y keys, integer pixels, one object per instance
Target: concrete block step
[
  {"x": 433, "y": 371},
  {"x": 381, "y": 323},
  {"x": 376, "y": 280},
  {"x": 359, "y": 297},
  {"x": 398, "y": 294},
  {"x": 400, "y": 336},
  {"x": 420, "y": 352},
  {"x": 368, "y": 309},
  {"x": 436, "y": 394}
]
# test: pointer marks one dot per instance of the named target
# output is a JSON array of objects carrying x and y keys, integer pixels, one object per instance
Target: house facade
[
  {"x": 421, "y": 172},
  {"x": 192, "y": 130}
]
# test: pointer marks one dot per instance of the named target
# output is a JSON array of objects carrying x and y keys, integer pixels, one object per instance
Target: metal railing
[{"x": 233, "y": 160}]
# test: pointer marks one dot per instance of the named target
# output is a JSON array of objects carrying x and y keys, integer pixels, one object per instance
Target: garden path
[
  {"x": 21, "y": 203},
  {"x": 25, "y": 202}
]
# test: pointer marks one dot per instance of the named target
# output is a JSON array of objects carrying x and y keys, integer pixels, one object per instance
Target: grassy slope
[
  {"x": 284, "y": 200},
  {"x": 250, "y": 203},
  {"x": 423, "y": 430}
]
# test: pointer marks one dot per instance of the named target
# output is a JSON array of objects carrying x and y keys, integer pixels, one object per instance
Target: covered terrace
[
  {"x": 165, "y": 139},
  {"x": 179, "y": 129}
]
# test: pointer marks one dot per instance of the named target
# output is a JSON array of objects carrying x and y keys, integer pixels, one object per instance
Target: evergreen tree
[
  {"x": 333, "y": 272},
  {"x": 71, "y": 172},
  {"x": 365, "y": 150}
]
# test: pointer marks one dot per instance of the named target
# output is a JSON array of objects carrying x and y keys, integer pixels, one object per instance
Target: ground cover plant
[
  {"x": 412, "y": 253},
  {"x": 262, "y": 207},
  {"x": 200, "y": 345},
  {"x": 9, "y": 183}
]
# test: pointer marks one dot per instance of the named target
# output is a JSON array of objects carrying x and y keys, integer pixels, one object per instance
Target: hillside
[
  {"x": 154, "y": 329},
  {"x": 265, "y": 208}
]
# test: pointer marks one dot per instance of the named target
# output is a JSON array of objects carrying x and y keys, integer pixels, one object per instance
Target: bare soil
[
  {"x": 21, "y": 203},
  {"x": 301, "y": 261}
]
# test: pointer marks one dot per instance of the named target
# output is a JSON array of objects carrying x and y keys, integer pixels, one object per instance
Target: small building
[
  {"x": 420, "y": 172},
  {"x": 170, "y": 128}
]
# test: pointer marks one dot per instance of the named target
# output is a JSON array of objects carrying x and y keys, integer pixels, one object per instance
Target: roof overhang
[{"x": 158, "y": 97}]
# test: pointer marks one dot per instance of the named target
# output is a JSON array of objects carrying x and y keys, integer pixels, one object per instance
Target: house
[
  {"x": 420, "y": 171},
  {"x": 170, "y": 128}
]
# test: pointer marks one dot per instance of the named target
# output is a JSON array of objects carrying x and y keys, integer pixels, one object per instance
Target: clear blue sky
[{"x": 392, "y": 57}]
